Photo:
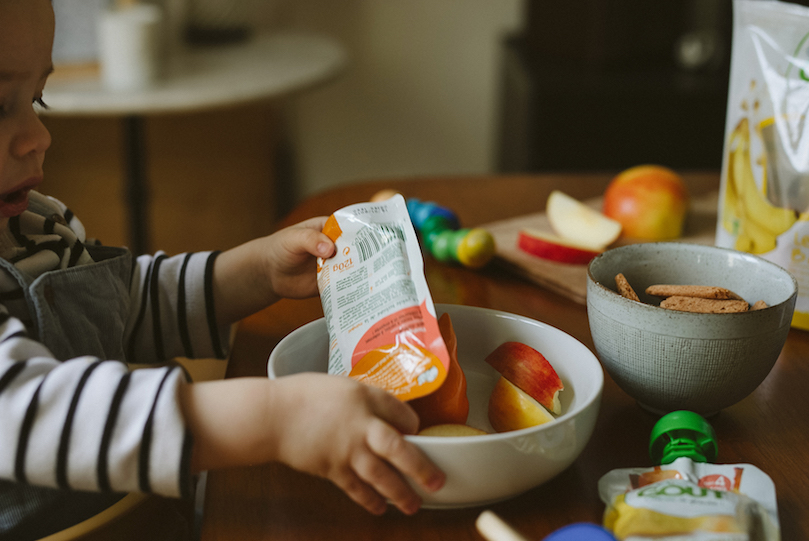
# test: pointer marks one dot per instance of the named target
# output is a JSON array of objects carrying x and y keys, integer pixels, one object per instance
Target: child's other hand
[
  {"x": 351, "y": 434},
  {"x": 290, "y": 258},
  {"x": 258, "y": 273}
]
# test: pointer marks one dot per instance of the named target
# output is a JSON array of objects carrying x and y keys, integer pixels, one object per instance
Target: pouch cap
[{"x": 682, "y": 434}]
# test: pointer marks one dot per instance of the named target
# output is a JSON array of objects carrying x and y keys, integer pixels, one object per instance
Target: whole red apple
[{"x": 650, "y": 202}]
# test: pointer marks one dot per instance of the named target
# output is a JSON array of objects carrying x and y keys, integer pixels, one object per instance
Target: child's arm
[
  {"x": 183, "y": 305},
  {"x": 258, "y": 273},
  {"x": 331, "y": 426}
]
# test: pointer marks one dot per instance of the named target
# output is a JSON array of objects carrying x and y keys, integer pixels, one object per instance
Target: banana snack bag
[
  {"x": 764, "y": 190},
  {"x": 380, "y": 316}
]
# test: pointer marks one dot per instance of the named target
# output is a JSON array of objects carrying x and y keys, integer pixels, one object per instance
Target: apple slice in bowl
[{"x": 530, "y": 371}]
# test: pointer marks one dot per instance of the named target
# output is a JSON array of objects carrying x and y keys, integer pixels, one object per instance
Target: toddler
[{"x": 77, "y": 428}]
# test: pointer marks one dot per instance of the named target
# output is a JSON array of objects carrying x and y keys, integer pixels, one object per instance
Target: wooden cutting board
[{"x": 571, "y": 280}]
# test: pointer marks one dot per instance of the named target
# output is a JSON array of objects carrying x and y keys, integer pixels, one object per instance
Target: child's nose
[{"x": 32, "y": 137}]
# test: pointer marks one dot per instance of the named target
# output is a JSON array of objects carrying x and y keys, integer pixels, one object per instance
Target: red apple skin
[
  {"x": 650, "y": 202},
  {"x": 554, "y": 250},
  {"x": 529, "y": 370}
]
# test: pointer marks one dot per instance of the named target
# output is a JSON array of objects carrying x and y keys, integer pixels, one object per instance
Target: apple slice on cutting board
[
  {"x": 581, "y": 232},
  {"x": 573, "y": 220},
  {"x": 555, "y": 248},
  {"x": 529, "y": 370}
]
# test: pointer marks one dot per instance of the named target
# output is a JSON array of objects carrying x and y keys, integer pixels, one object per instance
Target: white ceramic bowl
[
  {"x": 669, "y": 360},
  {"x": 485, "y": 469}
]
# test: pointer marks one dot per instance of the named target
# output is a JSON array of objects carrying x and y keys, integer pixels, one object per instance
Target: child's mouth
[
  {"x": 15, "y": 196},
  {"x": 14, "y": 203}
]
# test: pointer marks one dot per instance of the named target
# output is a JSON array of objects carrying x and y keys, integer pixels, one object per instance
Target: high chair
[{"x": 136, "y": 517}]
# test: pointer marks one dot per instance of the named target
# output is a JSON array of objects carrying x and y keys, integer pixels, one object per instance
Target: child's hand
[
  {"x": 330, "y": 426},
  {"x": 290, "y": 258},
  {"x": 351, "y": 433},
  {"x": 258, "y": 273}
]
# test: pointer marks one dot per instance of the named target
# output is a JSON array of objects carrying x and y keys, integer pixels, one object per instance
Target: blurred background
[{"x": 430, "y": 87}]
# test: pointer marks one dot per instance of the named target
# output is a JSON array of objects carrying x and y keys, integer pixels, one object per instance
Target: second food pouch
[{"x": 687, "y": 497}]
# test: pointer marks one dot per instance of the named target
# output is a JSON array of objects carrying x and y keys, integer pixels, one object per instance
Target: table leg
[{"x": 137, "y": 189}]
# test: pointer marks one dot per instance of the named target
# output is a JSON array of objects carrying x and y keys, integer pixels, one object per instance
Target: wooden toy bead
[
  {"x": 421, "y": 211},
  {"x": 383, "y": 195},
  {"x": 445, "y": 244},
  {"x": 432, "y": 227},
  {"x": 476, "y": 248},
  {"x": 441, "y": 235}
]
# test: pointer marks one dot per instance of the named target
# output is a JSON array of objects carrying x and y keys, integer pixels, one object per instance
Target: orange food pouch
[
  {"x": 381, "y": 320},
  {"x": 447, "y": 405}
]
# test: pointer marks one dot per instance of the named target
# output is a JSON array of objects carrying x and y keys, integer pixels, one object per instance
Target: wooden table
[{"x": 769, "y": 429}]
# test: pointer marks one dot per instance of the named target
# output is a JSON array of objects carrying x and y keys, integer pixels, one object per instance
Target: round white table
[{"x": 266, "y": 66}]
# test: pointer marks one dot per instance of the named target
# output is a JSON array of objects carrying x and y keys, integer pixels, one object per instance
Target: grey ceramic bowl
[{"x": 669, "y": 360}]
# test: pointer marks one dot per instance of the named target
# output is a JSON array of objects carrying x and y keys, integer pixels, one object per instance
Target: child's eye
[{"x": 39, "y": 102}]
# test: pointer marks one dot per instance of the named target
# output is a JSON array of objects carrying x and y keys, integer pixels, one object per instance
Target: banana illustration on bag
[{"x": 747, "y": 213}]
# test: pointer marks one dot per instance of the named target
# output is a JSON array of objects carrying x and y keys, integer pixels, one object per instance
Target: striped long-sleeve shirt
[{"x": 91, "y": 423}]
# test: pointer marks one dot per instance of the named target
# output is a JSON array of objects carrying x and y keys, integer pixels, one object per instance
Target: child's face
[{"x": 26, "y": 37}]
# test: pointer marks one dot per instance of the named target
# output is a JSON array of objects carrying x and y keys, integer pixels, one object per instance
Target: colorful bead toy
[{"x": 442, "y": 235}]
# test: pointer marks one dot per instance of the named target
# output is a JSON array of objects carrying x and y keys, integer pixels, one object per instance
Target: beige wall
[{"x": 420, "y": 93}]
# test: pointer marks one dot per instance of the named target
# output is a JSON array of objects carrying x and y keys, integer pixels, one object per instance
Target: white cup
[{"x": 130, "y": 47}]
